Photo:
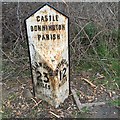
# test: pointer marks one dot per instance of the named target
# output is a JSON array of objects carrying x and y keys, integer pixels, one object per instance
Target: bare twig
[
  {"x": 111, "y": 11},
  {"x": 7, "y": 56},
  {"x": 91, "y": 44},
  {"x": 10, "y": 30},
  {"x": 34, "y": 100},
  {"x": 15, "y": 44},
  {"x": 88, "y": 81},
  {"x": 79, "y": 32},
  {"x": 54, "y": 114},
  {"x": 90, "y": 98},
  {"x": 65, "y": 3},
  {"x": 37, "y": 103}
]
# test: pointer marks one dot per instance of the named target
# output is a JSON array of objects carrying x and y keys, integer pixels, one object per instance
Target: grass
[
  {"x": 110, "y": 71},
  {"x": 81, "y": 114},
  {"x": 85, "y": 110},
  {"x": 91, "y": 29},
  {"x": 6, "y": 112},
  {"x": 12, "y": 96},
  {"x": 101, "y": 57},
  {"x": 115, "y": 103}
]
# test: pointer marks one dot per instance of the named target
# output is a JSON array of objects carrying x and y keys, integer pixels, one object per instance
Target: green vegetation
[
  {"x": 12, "y": 97},
  {"x": 115, "y": 102},
  {"x": 91, "y": 29},
  {"x": 100, "y": 54},
  {"x": 81, "y": 114},
  {"x": 6, "y": 112},
  {"x": 85, "y": 110}
]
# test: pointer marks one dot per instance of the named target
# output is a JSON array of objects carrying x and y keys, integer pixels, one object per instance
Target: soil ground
[{"x": 18, "y": 102}]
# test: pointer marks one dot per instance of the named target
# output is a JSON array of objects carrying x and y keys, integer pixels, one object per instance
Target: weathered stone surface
[{"x": 47, "y": 31}]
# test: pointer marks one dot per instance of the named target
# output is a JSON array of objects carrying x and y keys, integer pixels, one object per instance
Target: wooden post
[{"x": 47, "y": 34}]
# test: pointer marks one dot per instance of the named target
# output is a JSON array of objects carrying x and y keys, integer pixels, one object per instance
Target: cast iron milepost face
[{"x": 47, "y": 32}]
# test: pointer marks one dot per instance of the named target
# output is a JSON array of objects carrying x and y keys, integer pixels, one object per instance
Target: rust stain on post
[{"x": 47, "y": 31}]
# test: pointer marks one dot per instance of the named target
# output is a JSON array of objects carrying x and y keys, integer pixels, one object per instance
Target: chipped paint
[{"x": 47, "y": 31}]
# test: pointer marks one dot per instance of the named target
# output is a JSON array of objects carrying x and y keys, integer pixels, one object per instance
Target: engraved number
[
  {"x": 62, "y": 73},
  {"x": 39, "y": 76},
  {"x": 46, "y": 77}
]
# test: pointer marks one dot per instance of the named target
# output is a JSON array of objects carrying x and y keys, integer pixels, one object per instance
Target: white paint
[{"x": 49, "y": 53}]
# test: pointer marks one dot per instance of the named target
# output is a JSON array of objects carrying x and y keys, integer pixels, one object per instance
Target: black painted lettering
[
  {"x": 39, "y": 36},
  {"x": 63, "y": 27},
  {"x": 36, "y": 64},
  {"x": 38, "y": 83},
  {"x": 35, "y": 28},
  {"x": 39, "y": 28},
  {"x": 47, "y": 36},
  {"x": 59, "y": 27},
  {"x": 40, "y": 64},
  {"x": 56, "y": 26},
  {"x": 50, "y": 36},
  {"x": 38, "y": 18},
  {"x": 46, "y": 27},
  {"x": 46, "y": 18},
  {"x": 53, "y": 18},
  {"x": 64, "y": 72},
  {"x": 56, "y": 17},
  {"x": 58, "y": 36},
  {"x": 42, "y": 19},
  {"x": 49, "y": 17},
  {"x": 48, "y": 86},
  {"x": 43, "y": 37},
  {"x": 54, "y": 36},
  {"x": 39, "y": 76},
  {"x": 50, "y": 27},
  {"x": 45, "y": 86},
  {"x": 43, "y": 28},
  {"x": 31, "y": 28},
  {"x": 46, "y": 80}
]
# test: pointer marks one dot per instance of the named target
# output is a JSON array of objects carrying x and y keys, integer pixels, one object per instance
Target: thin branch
[
  {"x": 95, "y": 50},
  {"x": 37, "y": 103},
  {"x": 90, "y": 83},
  {"x": 7, "y": 56},
  {"x": 15, "y": 44},
  {"x": 79, "y": 32},
  {"x": 54, "y": 114},
  {"x": 9, "y": 29},
  {"x": 111, "y": 11}
]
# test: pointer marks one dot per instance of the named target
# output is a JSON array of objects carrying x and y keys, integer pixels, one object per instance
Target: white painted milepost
[{"x": 47, "y": 33}]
